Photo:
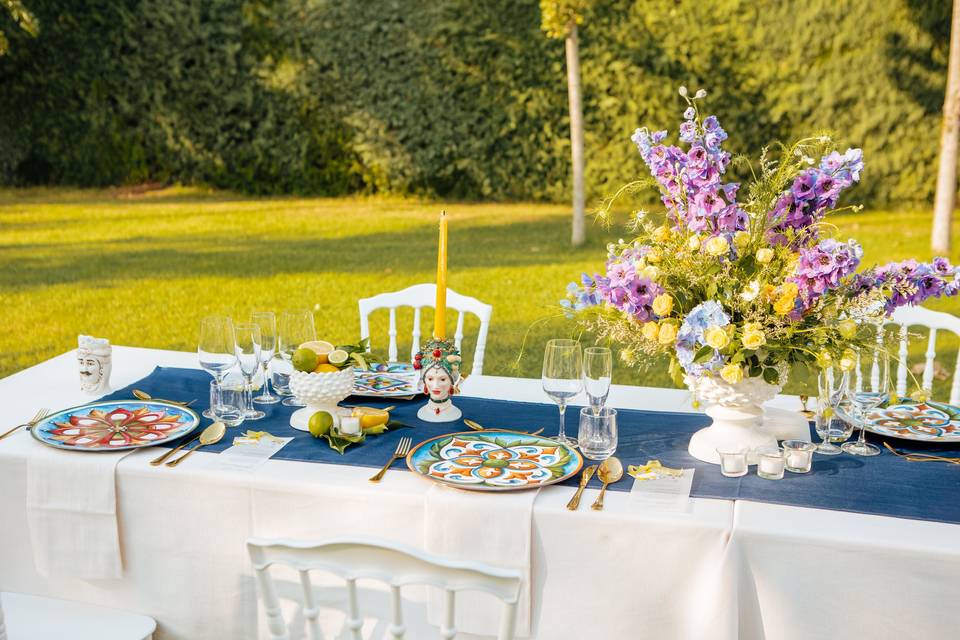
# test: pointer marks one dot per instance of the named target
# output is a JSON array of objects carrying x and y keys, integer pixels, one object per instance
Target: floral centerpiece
[{"x": 739, "y": 285}]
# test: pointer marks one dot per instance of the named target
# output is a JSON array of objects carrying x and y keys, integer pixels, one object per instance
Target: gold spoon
[
  {"x": 211, "y": 435},
  {"x": 610, "y": 471},
  {"x": 476, "y": 426},
  {"x": 146, "y": 397}
]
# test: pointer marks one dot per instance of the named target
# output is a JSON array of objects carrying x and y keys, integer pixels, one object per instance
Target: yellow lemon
[
  {"x": 324, "y": 367},
  {"x": 321, "y": 347},
  {"x": 370, "y": 417}
]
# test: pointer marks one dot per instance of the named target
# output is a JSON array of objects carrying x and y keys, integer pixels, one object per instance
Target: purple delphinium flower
[
  {"x": 813, "y": 193},
  {"x": 823, "y": 267},
  {"x": 908, "y": 282},
  {"x": 691, "y": 182}
]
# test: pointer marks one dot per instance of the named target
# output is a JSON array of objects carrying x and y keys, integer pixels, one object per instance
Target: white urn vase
[
  {"x": 737, "y": 413},
  {"x": 320, "y": 392}
]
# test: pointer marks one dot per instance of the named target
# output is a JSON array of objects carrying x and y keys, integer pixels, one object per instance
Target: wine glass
[
  {"x": 867, "y": 401},
  {"x": 296, "y": 327},
  {"x": 267, "y": 321},
  {"x": 597, "y": 372},
  {"x": 216, "y": 349},
  {"x": 248, "y": 355},
  {"x": 828, "y": 398},
  {"x": 562, "y": 377}
]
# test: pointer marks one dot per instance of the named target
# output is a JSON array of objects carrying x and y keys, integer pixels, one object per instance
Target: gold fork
[
  {"x": 403, "y": 448},
  {"x": 920, "y": 457},
  {"x": 37, "y": 418}
]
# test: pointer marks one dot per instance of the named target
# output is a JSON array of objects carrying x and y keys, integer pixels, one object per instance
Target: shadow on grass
[{"x": 518, "y": 244}]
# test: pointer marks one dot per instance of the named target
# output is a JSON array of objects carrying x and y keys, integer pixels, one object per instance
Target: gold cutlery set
[
  {"x": 920, "y": 457},
  {"x": 609, "y": 471}
]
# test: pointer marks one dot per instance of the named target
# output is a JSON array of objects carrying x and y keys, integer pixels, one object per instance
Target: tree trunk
[
  {"x": 947, "y": 176},
  {"x": 576, "y": 134}
]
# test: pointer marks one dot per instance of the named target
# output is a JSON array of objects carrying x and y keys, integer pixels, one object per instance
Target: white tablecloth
[{"x": 719, "y": 571}]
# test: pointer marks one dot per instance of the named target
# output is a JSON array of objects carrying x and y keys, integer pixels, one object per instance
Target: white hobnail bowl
[{"x": 320, "y": 392}]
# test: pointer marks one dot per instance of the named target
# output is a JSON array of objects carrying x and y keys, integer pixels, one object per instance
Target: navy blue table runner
[{"x": 881, "y": 485}]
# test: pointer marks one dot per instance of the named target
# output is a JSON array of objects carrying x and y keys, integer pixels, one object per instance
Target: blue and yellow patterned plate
[
  {"x": 494, "y": 461},
  {"x": 386, "y": 380},
  {"x": 925, "y": 421},
  {"x": 115, "y": 425}
]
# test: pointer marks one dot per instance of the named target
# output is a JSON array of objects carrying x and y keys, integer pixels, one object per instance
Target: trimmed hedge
[{"x": 454, "y": 98}]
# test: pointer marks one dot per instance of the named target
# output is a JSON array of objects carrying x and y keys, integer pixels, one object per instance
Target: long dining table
[{"x": 719, "y": 569}]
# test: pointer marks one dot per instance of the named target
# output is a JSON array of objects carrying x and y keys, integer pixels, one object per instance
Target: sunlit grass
[{"x": 143, "y": 271}]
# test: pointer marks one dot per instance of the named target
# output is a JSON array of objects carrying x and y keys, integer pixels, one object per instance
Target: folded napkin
[
  {"x": 72, "y": 513},
  {"x": 491, "y": 528}
]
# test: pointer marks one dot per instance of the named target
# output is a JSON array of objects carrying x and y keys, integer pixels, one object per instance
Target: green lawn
[{"x": 144, "y": 270}]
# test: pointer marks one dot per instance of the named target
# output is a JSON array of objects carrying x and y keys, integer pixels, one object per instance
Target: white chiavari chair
[
  {"x": 28, "y": 617},
  {"x": 418, "y": 297},
  {"x": 397, "y": 565}
]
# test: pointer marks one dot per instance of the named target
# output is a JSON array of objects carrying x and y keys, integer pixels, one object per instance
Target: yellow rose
[
  {"x": 824, "y": 359},
  {"x": 765, "y": 255},
  {"x": 754, "y": 338},
  {"x": 661, "y": 234},
  {"x": 654, "y": 256},
  {"x": 741, "y": 239},
  {"x": 650, "y": 330},
  {"x": 789, "y": 289},
  {"x": 693, "y": 243},
  {"x": 650, "y": 272},
  {"x": 848, "y": 360},
  {"x": 847, "y": 328},
  {"x": 769, "y": 292},
  {"x": 784, "y": 305},
  {"x": 716, "y": 337},
  {"x": 732, "y": 373},
  {"x": 663, "y": 304},
  {"x": 668, "y": 333},
  {"x": 717, "y": 246}
]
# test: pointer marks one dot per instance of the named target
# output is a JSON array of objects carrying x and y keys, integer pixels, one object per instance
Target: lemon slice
[
  {"x": 318, "y": 346},
  {"x": 338, "y": 357},
  {"x": 370, "y": 417}
]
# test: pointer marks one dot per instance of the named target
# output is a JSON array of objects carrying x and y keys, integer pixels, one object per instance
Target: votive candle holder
[
  {"x": 733, "y": 462},
  {"x": 798, "y": 455},
  {"x": 770, "y": 463}
]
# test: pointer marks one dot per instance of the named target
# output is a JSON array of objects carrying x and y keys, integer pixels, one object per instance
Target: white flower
[
  {"x": 751, "y": 291},
  {"x": 683, "y": 91},
  {"x": 701, "y": 93}
]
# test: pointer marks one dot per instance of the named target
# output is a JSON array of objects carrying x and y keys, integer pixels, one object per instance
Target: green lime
[
  {"x": 320, "y": 423},
  {"x": 304, "y": 360},
  {"x": 338, "y": 357}
]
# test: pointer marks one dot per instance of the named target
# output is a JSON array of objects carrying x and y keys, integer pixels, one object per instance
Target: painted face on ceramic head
[
  {"x": 91, "y": 370},
  {"x": 437, "y": 384}
]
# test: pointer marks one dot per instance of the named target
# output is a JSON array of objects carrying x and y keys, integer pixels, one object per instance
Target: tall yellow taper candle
[{"x": 440, "y": 319}]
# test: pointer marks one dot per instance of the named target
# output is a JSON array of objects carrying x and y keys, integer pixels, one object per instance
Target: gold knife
[
  {"x": 584, "y": 479},
  {"x": 156, "y": 462}
]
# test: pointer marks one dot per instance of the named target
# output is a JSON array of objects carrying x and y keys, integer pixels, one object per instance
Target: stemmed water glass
[
  {"x": 267, "y": 321},
  {"x": 562, "y": 377},
  {"x": 296, "y": 327},
  {"x": 597, "y": 373},
  {"x": 216, "y": 349},
  {"x": 867, "y": 401},
  {"x": 248, "y": 355}
]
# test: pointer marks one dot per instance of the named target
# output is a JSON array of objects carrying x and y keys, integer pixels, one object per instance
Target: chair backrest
[
  {"x": 395, "y": 564},
  {"x": 935, "y": 321},
  {"x": 419, "y": 296}
]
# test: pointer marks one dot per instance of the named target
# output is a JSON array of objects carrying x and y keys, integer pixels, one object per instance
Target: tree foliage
[
  {"x": 22, "y": 18},
  {"x": 457, "y": 98}
]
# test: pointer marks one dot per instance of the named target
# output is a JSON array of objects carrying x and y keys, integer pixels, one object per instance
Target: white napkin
[
  {"x": 72, "y": 513},
  {"x": 493, "y": 529}
]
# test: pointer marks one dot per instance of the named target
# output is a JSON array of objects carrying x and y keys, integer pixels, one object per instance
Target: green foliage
[
  {"x": 22, "y": 18},
  {"x": 557, "y": 16},
  {"x": 458, "y": 99}
]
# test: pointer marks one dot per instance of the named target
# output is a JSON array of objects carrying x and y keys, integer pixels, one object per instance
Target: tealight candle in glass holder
[
  {"x": 350, "y": 426},
  {"x": 770, "y": 463},
  {"x": 798, "y": 455},
  {"x": 733, "y": 462}
]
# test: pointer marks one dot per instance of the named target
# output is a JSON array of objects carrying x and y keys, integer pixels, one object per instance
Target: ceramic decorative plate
[
  {"x": 494, "y": 460},
  {"x": 115, "y": 425},
  {"x": 386, "y": 380},
  {"x": 927, "y": 421}
]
